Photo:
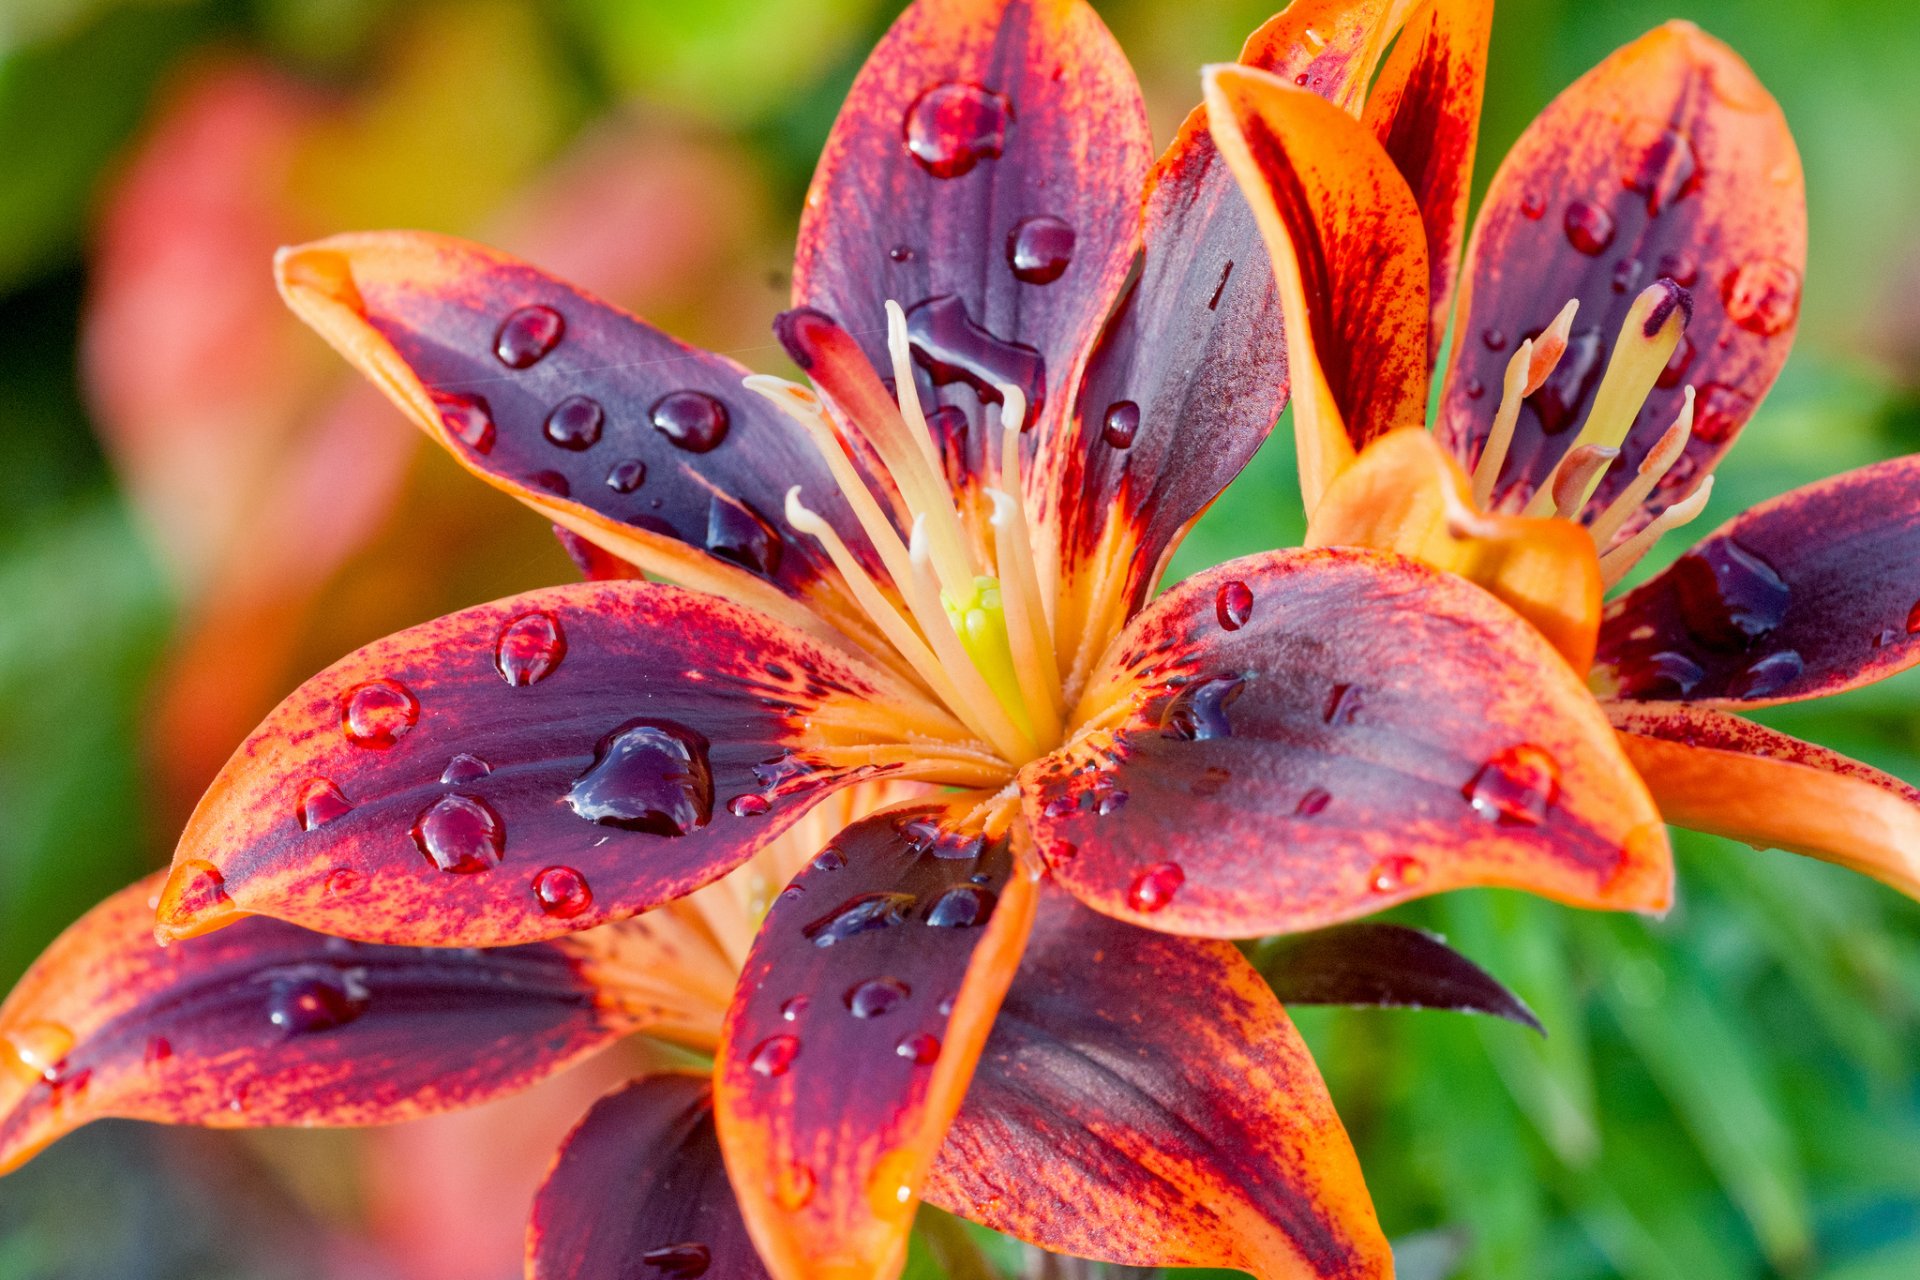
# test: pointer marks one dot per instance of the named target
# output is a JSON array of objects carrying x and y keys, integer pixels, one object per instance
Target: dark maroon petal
[
  {"x": 1811, "y": 593},
  {"x": 1386, "y": 965},
  {"x": 638, "y": 1190}
]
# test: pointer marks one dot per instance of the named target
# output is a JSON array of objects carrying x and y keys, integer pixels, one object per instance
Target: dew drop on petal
[
  {"x": 687, "y": 1261},
  {"x": 1040, "y": 249},
  {"x": 1153, "y": 888},
  {"x": 1562, "y": 398},
  {"x": 562, "y": 892},
  {"x": 692, "y": 420},
  {"x": 1234, "y": 605},
  {"x": 793, "y": 1187},
  {"x": 529, "y": 648},
  {"x": 1729, "y": 596},
  {"x": 467, "y": 419},
  {"x": 1719, "y": 411},
  {"x": 464, "y": 768},
  {"x": 1121, "y": 424},
  {"x": 1343, "y": 705},
  {"x": 321, "y": 801},
  {"x": 1659, "y": 163},
  {"x": 876, "y": 996},
  {"x": 1766, "y": 676},
  {"x": 576, "y": 423},
  {"x": 460, "y": 834},
  {"x": 859, "y": 914},
  {"x": 1590, "y": 228},
  {"x": 749, "y": 805},
  {"x": 1392, "y": 875},
  {"x": 953, "y": 127},
  {"x": 1198, "y": 713},
  {"x": 1762, "y": 296},
  {"x": 1516, "y": 787},
  {"x": 158, "y": 1050},
  {"x": 301, "y": 1004},
  {"x": 1913, "y": 619},
  {"x": 964, "y": 906},
  {"x": 626, "y": 475},
  {"x": 793, "y": 1009},
  {"x": 1667, "y": 673},
  {"x": 829, "y": 859},
  {"x": 1677, "y": 365},
  {"x": 739, "y": 534},
  {"x": 647, "y": 775},
  {"x": 1533, "y": 206},
  {"x": 922, "y": 1050},
  {"x": 773, "y": 1056},
  {"x": 1313, "y": 802},
  {"x": 378, "y": 713},
  {"x": 527, "y": 335},
  {"x": 345, "y": 882},
  {"x": 37, "y": 1050}
]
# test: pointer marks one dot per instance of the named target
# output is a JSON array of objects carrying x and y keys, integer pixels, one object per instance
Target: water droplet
[
  {"x": 922, "y": 1050},
  {"x": 750, "y": 805},
  {"x": 1153, "y": 888},
  {"x": 829, "y": 859},
  {"x": 1766, "y": 676},
  {"x": 320, "y": 803},
  {"x": 647, "y": 775},
  {"x": 1589, "y": 228},
  {"x": 1198, "y": 713},
  {"x": 1315, "y": 801},
  {"x": 1680, "y": 267},
  {"x": 964, "y": 906},
  {"x": 626, "y": 475},
  {"x": 464, "y": 768},
  {"x": 876, "y": 996},
  {"x": 1040, "y": 249},
  {"x": 1474, "y": 388},
  {"x": 1563, "y": 396},
  {"x": 461, "y": 834},
  {"x": 1391, "y": 875},
  {"x": 1677, "y": 365},
  {"x": 1719, "y": 412},
  {"x": 1659, "y": 163},
  {"x": 1884, "y": 637},
  {"x": 467, "y": 419},
  {"x": 1913, "y": 620},
  {"x": 861, "y": 913},
  {"x": 1234, "y": 605},
  {"x": 1626, "y": 275},
  {"x": 901, "y": 253},
  {"x": 793, "y": 1009},
  {"x": 562, "y": 892},
  {"x": 1060, "y": 806},
  {"x": 527, "y": 335},
  {"x": 774, "y": 1055},
  {"x": 575, "y": 423},
  {"x": 551, "y": 482},
  {"x": 1494, "y": 339},
  {"x": 1728, "y": 595},
  {"x": 158, "y": 1050},
  {"x": 378, "y": 713},
  {"x": 1762, "y": 297},
  {"x": 679, "y": 1261},
  {"x": 1666, "y": 674},
  {"x": 952, "y": 348},
  {"x": 953, "y": 127},
  {"x": 37, "y": 1050},
  {"x": 304, "y": 1003},
  {"x": 793, "y": 1187},
  {"x": 529, "y": 648},
  {"x": 345, "y": 882},
  {"x": 1516, "y": 787},
  {"x": 692, "y": 420},
  {"x": 1121, "y": 423},
  {"x": 1533, "y": 205},
  {"x": 1109, "y": 799},
  {"x": 1343, "y": 705},
  {"x": 741, "y": 535}
]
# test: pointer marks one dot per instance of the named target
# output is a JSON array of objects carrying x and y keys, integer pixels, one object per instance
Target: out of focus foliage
[{"x": 1731, "y": 1092}]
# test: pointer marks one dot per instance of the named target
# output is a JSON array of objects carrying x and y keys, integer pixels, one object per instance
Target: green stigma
[{"x": 981, "y": 625}]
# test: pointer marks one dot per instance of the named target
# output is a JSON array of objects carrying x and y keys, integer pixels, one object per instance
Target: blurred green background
[{"x": 1731, "y": 1092}]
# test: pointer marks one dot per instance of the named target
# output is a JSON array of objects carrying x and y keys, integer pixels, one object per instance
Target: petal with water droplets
[
  {"x": 1375, "y": 731},
  {"x": 1144, "y": 1100},
  {"x": 831, "y": 1101}
]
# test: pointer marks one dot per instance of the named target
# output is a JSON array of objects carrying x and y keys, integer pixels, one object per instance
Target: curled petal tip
[
  {"x": 193, "y": 902},
  {"x": 312, "y": 270}
]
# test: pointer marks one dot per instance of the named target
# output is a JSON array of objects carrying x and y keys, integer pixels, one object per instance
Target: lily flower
[
  {"x": 1631, "y": 289},
  {"x": 1035, "y": 355}
]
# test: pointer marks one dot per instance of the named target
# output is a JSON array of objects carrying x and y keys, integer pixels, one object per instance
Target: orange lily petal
[
  {"x": 1371, "y": 965},
  {"x": 1426, "y": 112},
  {"x": 267, "y": 1024},
  {"x": 1717, "y": 772},
  {"x": 860, "y": 1014},
  {"x": 1144, "y": 1100},
  {"x": 1405, "y": 494},
  {"x": 531, "y": 767},
  {"x": 1668, "y": 159},
  {"x": 1349, "y": 255},
  {"x": 1331, "y": 47},
  {"x": 1302, "y": 737}
]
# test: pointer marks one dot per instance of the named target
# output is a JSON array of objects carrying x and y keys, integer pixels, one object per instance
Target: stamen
[
  {"x": 1493, "y": 456},
  {"x": 1550, "y": 346},
  {"x": 1575, "y": 478},
  {"x": 1013, "y": 548},
  {"x": 1653, "y": 468},
  {"x": 1616, "y": 564}
]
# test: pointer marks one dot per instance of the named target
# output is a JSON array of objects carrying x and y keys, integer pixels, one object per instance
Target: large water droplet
[
  {"x": 1766, "y": 676},
  {"x": 529, "y": 648},
  {"x": 461, "y": 834},
  {"x": 464, "y": 768},
  {"x": 378, "y": 713},
  {"x": 1763, "y": 296},
  {"x": 773, "y": 1056},
  {"x": 953, "y": 127},
  {"x": 307, "y": 1002},
  {"x": 562, "y": 892},
  {"x": 679, "y": 1261},
  {"x": 693, "y": 420},
  {"x": 1040, "y": 249},
  {"x": 321, "y": 801},
  {"x": 1234, "y": 605},
  {"x": 1659, "y": 163},
  {"x": 952, "y": 348},
  {"x": 1729, "y": 596},
  {"x": 1719, "y": 410},
  {"x": 1198, "y": 713},
  {"x": 467, "y": 419},
  {"x": 576, "y": 423},
  {"x": 749, "y": 805},
  {"x": 876, "y": 996},
  {"x": 647, "y": 775},
  {"x": 922, "y": 1050},
  {"x": 1153, "y": 888},
  {"x": 1590, "y": 228},
  {"x": 1516, "y": 787},
  {"x": 964, "y": 906},
  {"x": 1121, "y": 424},
  {"x": 738, "y": 533},
  {"x": 1563, "y": 396},
  {"x": 861, "y": 913},
  {"x": 37, "y": 1050},
  {"x": 527, "y": 335}
]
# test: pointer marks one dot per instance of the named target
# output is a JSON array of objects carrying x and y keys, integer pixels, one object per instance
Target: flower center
[
  {"x": 959, "y": 598},
  {"x": 1652, "y": 331}
]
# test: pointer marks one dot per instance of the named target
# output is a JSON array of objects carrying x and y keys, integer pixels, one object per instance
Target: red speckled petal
[
  {"x": 861, "y": 1011},
  {"x": 530, "y": 767},
  {"x": 639, "y": 1190},
  {"x": 648, "y": 447},
  {"x": 268, "y": 1024},
  {"x": 1372, "y": 965},
  {"x": 1303, "y": 737},
  {"x": 1349, "y": 253},
  {"x": 1426, "y": 112},
  {"x": 1668, "y": 159},
  {"x": 1811, "y": 593},
  {"x": 1144, "y": 1100},
  {"x": 1717, "y": 772},
  {"x": 985, "y": 174}
]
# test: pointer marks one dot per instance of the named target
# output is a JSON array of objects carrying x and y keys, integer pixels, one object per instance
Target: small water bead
[
  {"x": 1494, "y": 339},
  {"x": 964, "y": 906},
  {"x": 1233, "y": 605},
  {"x": 1665, "y": 674},
  {"x": 749, "y": 805},
  {"x": 1884, "y": 637},
  {"x": 900, "y": 253},
  {"x": 1391, "y": 875},
  {"x": 773, "y": 1056},
  {"x": 679, "y": 1261},
  {"x": 862, "y": 913},
  {"x": 1719, "y": 411},
  {"x": 876, "y": 997},
  {"x": 527, "y": 335},
  {"x": 1913, "y": 619},
  {"x": 551, "y": 482},
  {"x": 793, "y": 1009},
  {"x": 1675, "y": 371},
  {"x": 1121, "y": 424},
  {"x": 1198, "y": 713},
  {"x": 158, "y": 1050},
  {"x": 922, "y": 1050},
  {"x": 576, "y": 423},
  {"x": 1474, "y": 388},
  {"x": 741, "y": 535},
  {"x": 1728, "y": 595},
  {"x": 321, "y": 801},
  {"x": 1590, "y": 228},
  {"x": 562, "y": 892},
  {"x": 303, "y": 1004},
  {"x": 793, "y": 1187},
  {"x": 1153, "y": 888},
  {"x": 345, "y": 882},
  {"x": 464, "y": 768},
  {"x": 1533, "y": 206},
  {"x": 529, "y": 648},
  {"x": 378, "y": 713},
  {"x": 829, "y": 859},
  {"x": 692, "y": 420},
  {"x": 467, "y": 419},
  {"x": 1627, "y": 274},
  {"x": 626, "y": 475},
  {"x": 1109, "y": 799},
  {"x": 650, "y": 776},
  {"x": 1040, "y": 249},
  {"x": 37, "y": 1050},
  {"x": 1659, "y": 163},
  {"x": 1343, "y": 704},
  {"x": 1762, "y": 297},
  {"x": 1315, "y": 801},
  {"x": 1766, "y": 676},
  {"x": 953, "y": 127},
  {"x": 460, "y": 834},
  {"x": 1680, "y": 267},
  {"x": 1563, "y": 396},
  {"x": 1516, "y": 787}
]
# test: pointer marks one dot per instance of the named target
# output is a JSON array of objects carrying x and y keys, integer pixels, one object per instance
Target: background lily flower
[{"x": 1632, "y": 286}]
